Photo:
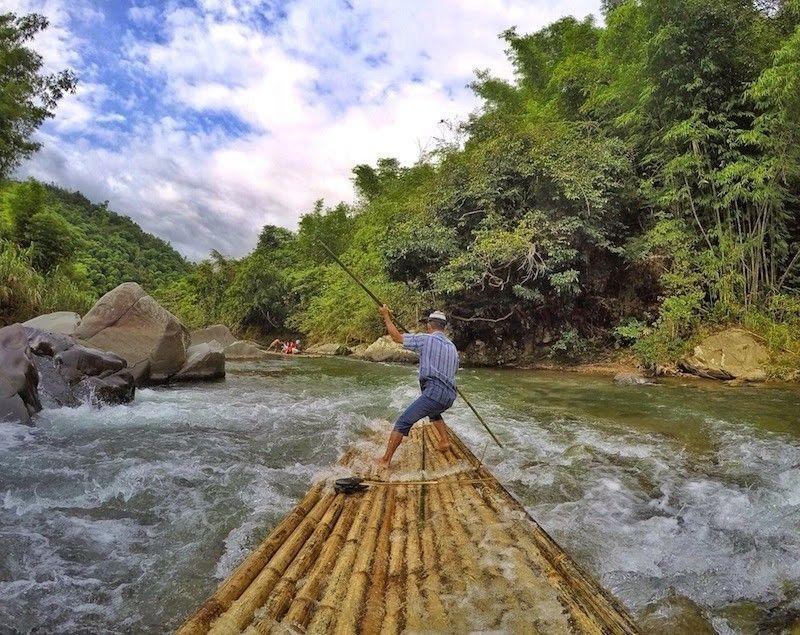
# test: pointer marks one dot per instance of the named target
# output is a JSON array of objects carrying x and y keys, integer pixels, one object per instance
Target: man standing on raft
[{"x": 438, "y": 363}]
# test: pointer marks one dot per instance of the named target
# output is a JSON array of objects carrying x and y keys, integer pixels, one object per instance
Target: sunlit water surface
[{"x": 124, "y": 519}]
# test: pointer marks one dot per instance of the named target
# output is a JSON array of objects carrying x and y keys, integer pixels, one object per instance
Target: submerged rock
[
  {"x": 329, "y": 349},
  {"x": 731, "y": 354},
  {"x": 218, "y": 332},
  {"x": 674, "y": 614},
  {"x": 204, "y": 361},
  {"x": 117, "y": 388},
  {"x": 65, "y": 322},
  {"x": 384, "y": 349},
  {"x": 19, "y": 381},
  {"x": 133, "y": 325},
  {"x": 631, "y": 379}
]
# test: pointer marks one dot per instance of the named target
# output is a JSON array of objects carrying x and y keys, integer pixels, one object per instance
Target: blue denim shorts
[{"x": 422, "y": 407}]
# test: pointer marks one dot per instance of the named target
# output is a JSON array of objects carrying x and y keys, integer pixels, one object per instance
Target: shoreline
[{"x": 623, "y": 364}]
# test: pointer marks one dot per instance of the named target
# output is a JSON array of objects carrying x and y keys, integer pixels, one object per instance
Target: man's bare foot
[
  {"x": 382, "y": 463},
  {"x": 444, "y": 446}
]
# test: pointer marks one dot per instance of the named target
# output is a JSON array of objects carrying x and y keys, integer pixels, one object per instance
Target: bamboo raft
[{"x": 444, "y": 549}]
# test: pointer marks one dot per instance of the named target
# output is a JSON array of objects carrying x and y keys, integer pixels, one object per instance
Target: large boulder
[
  {"x": 133, "y": 325},
  {"x": 218, "y": 332},
  {"x": 19, "y": 395},
  {"x": 492, "y": 353},
  {"x": 204, "y": 361},
  {"x": 329, "y": 349},
  {"x": 384, "y": 349},
  {"x": 80, "y": 361},
  {"x": 730, "y": 354},
  {"x": 65, "y": 322},
  {"x": 46, "y": 343},
  {"x": 244, "y": 349}
]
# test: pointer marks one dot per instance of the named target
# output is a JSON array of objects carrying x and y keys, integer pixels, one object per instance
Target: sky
[{"x": 203, "y": 120}]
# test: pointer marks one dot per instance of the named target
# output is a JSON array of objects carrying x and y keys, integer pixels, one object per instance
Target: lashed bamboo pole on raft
[
  {"x": 246, "y": 572},
  {"x": 365, "y": 563}
]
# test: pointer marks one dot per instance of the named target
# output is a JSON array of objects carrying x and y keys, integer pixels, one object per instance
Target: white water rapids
[{"x": 123, "y": 519}]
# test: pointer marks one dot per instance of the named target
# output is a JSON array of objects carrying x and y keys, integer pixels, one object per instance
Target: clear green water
[{"x": 124, "y": 519}]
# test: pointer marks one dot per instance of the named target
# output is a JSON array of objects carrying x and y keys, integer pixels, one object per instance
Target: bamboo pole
[
  {"x": 241, "y": 611},
  {"x": 324, "y": 617},
  {"x": 431, "y": 579},
  {"x": 415, "y": 608},
  {"x": 375, "y": 605},
  {"x": 300, "y": 609},
  {"x": 392, "y": 621},
  {"x": 282, "y": 595},
  {"x": 352, "y": 606},
  {"x": 245, "y": 573}
]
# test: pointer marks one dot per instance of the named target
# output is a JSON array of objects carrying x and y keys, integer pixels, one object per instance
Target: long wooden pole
[{"x": 379, "y": 302}]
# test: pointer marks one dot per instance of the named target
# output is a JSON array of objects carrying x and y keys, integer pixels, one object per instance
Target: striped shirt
[{"x": 438, "y": 363}]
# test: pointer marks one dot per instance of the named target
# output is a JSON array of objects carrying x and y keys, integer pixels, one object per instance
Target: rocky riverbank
[
  {"x": 733, "y": 355},
  {"x": 127, "y": 340}
]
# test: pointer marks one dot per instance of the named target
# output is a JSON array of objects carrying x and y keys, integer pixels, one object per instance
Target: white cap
[{"x": 438, "y": 315}]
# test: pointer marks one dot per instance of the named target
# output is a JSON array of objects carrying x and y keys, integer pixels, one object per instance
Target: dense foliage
[
  {"x": 636, "y": 182},
  {"x": 58, "y": 251}
]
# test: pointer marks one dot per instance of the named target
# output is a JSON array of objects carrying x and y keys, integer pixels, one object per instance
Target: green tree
[
  {"x": 27, "y": 96},
  {"x": 52, "y": 239}
]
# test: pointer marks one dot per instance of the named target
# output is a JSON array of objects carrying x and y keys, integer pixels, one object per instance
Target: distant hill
[{"x": 114, "y": 248}]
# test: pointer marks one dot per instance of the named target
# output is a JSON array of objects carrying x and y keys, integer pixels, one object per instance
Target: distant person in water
[
  {"x": 288, "y": 347},
  {"x": 438, "y": 363}
]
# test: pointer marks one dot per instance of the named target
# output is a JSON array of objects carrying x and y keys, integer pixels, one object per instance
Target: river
[{"x": 123, "y": 519}]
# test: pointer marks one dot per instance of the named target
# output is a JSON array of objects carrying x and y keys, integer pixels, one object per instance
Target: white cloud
[
  {"x": 145, "y": 14},
  {"x": 321, "y": 89}
]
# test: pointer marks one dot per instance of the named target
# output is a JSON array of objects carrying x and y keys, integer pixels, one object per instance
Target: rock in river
[
  {"x": 730, "y": 354},
  {"x": 674, "y": 614},
  {"x": 244, "y": 349},
  {"x": 204, "y": 361},
  {"x": 19, "y": 396},
  {"x": 384, "y": 349},
  {"x": 71, "y": 374},
  {"x": 133, "y": 325},
  {"x": 631, "y": 379},
  {"x": 218, "y": 332},
  {"x": 329, "y": 349}
]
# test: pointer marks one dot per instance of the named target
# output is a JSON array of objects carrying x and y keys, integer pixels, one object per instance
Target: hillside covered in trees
[
  {"x": 635, "y": 186},
  {"x": 61, "y": 252}
]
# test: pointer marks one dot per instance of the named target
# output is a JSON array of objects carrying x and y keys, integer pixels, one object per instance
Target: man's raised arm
[{"x": 396, "y": 335}]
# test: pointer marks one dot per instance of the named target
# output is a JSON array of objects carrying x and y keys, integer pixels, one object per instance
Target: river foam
[{"x": 123, "y": 519}]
